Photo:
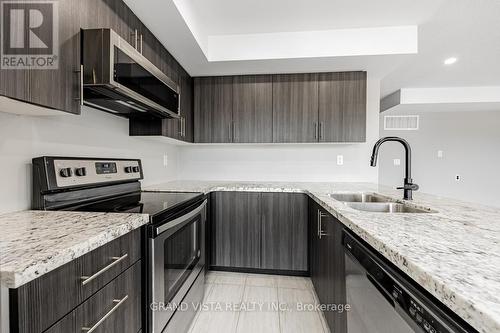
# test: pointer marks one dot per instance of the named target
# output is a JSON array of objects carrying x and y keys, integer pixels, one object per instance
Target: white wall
[
  {"x": 287, "y": 162},
  {"x": 94, "y": 134},
  {"x": 470, "y": 144}
]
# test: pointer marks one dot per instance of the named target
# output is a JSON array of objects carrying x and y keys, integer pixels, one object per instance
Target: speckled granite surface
[
  {"x": 33, "y": 243},
  {"x": 454, "y": 253}
]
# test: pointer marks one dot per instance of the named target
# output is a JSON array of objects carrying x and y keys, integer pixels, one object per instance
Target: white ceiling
[
  {"x": 225, "y": 17},
  {"x": 467, "y": 29}
]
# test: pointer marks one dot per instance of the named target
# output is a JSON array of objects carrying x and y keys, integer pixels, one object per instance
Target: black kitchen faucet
[{"x": 408, "y": 186}]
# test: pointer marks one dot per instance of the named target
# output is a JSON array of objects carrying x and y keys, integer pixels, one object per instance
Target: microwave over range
[{"x": 117, "y": 78}]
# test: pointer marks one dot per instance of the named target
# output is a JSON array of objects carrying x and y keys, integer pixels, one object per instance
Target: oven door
[{"x": 176, "y": 259}]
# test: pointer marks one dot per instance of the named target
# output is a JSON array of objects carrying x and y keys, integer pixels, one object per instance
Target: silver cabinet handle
[
  {"x": 81, "y": 85},
  {"x": 136, "y": 36},
  {"x": 318, "y": 223},
  {"x": 118, "y": 302},
  {"x": 321, "y": 130},
  {"x": 183, "y": 126},
  {"x": 116, "y": 260},
  {"x": 321, "y": 233},
  {"x": 315, "y": 131},
  {"x": 80, "y": 73},
  {"x": 233, "y": 131}
]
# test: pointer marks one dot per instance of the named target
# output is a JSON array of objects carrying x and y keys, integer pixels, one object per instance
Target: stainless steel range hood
[{"x": 117, "y": 78}]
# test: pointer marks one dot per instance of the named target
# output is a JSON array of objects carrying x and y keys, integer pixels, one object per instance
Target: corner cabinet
[
  {"x": 259, "y": 232},
  {"x": 285, "y": 108},
  {"x": 327, "y": 263}
]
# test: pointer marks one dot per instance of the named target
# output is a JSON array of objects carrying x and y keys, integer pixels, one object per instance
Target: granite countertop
[
  {"x": 454, "y": 253},
  {"x": 33, "y": 243}
]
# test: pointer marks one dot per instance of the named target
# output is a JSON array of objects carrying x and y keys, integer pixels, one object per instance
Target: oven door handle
[{"x": 180, "y": 220}]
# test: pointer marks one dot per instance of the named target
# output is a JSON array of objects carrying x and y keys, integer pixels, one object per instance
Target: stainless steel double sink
[{"x": 377, "y": 203}]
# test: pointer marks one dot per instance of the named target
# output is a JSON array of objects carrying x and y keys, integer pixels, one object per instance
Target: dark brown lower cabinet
[
  {"x": 284, "y": 231},
  {"x": 326, "y": 259},
  {"x": 236, "y": 229},
  {"x": 259, "y": 231},
  {"x": 114, "y": 309},
  {"x": 51, "y": 301}
]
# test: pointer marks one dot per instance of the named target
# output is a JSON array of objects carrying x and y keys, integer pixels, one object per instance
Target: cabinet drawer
[
  {"x": 106, "y": 262},
  {"x": 41, "y": 303},
  {"x": 114, "y": 309}
]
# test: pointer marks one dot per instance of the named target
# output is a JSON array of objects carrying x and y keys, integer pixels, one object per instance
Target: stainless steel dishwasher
[{"x": 384, "y": 300}]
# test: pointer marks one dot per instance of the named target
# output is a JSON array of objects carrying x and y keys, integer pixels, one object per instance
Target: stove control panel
[{"x": 62, "y": 172}]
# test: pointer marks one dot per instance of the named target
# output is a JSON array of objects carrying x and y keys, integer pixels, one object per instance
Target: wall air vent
[{"x": 401, "y": 123}]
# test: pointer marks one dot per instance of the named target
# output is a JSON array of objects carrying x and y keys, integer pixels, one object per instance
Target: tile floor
[{"x": 257, "y": 303}]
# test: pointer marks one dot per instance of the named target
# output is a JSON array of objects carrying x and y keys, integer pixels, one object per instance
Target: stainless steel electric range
[{"x": 174, "y": 240}]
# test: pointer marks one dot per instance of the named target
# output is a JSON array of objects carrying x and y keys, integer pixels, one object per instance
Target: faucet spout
[{"x": 408, "y": 186}]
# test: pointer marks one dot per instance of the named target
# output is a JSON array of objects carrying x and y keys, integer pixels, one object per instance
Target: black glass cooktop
[{"x": 152, "y": 203}]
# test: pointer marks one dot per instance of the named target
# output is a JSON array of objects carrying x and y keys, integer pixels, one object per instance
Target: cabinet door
[
  {"x": 314, "y": 243},
  {"x": 236, "y": 229},
  {"x": 342, "y": 107},
  {"x": 186, "y": 124},
  {"x": 337, "y": 320},
  {"x": 213, "y": 103},
  {"x": 14, "y": 83},
  {"x": 118, "y": 305},
  {"x": 252, "y": 109},
  {"x": 284, "y": 231},
  {"x": 295, "y": 108},
  {"x": 60, "y": 88},
  {"x": 327, "y": 262}
]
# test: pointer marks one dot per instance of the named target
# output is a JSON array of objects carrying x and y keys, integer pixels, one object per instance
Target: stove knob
[
  {"x": 136, "y": 169},
  {"x": 66, "y": 172},
  {"x": 128, "y": 169},
  {"x": 81, "y": 172}
]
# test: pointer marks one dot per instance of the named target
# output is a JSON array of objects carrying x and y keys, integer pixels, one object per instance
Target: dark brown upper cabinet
[
  {"x": 295, "y": 108},
  {"x": 59, "y": 88},
  {"x": 285, "y": 108},
  {"x": 213, "y": 103},
  {"x": 342, "y": 107},
  {"x": 52, "y": 88},
  {"x": 252, "y": 109}
]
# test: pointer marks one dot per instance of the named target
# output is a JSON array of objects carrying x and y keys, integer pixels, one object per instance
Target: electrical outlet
[
  {"x": 397, "y": 161},
  {"x": 340, "y": 159},
  {"x": 458, "y": 178},
  {"x": 165, "y": 160},
  {"x": 440, "y": 154}
]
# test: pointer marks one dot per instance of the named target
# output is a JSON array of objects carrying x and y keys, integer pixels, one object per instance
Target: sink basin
[
  {"x": 386, "y": 207},
  {"x": 376, "y": 203},
  {"x": 360, "y": 197}
]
